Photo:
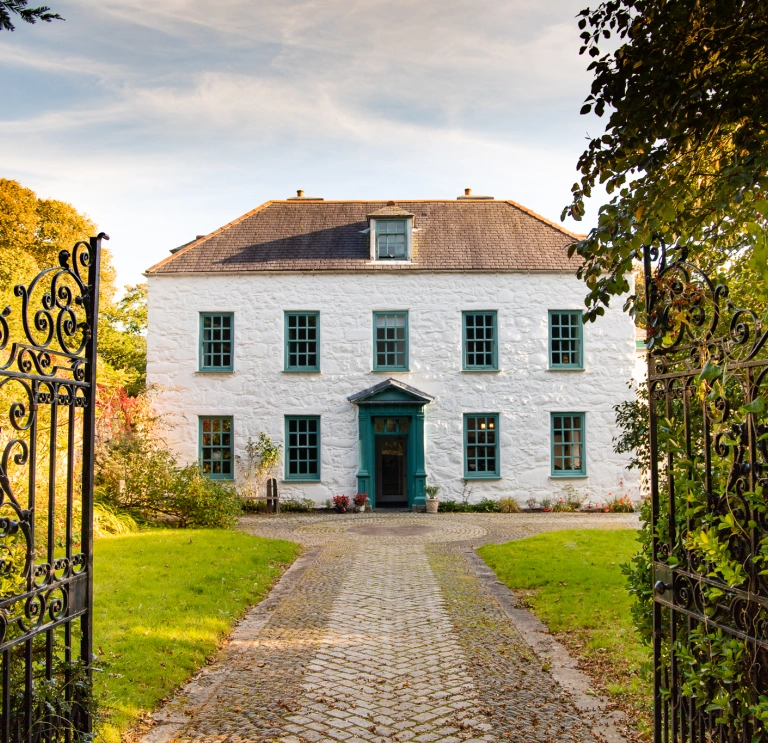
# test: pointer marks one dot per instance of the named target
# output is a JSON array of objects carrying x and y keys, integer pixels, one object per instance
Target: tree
[
  {"x": 685, "y": 149},
  {"x": 33, "y": 231},
  {"x": 28, "y": 15},
  {"x": 122, "y": 338}
]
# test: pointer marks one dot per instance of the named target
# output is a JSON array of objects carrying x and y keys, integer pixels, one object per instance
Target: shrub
[
  {"x": 452, "y": 506},
  {"x": 261, "y": 459},
  {"x": 486, "y": 505},
  {"x": 300, "y": 505},
  {"x": 108, "y": 520},
  {"x": 136, "y": 474},
  {"x": 508, "y": 505}
]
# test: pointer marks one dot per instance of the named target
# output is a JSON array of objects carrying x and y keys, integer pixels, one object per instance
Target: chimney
[
  {"x": 469, "y": 197},
  {"x": 301, "y": 197}
]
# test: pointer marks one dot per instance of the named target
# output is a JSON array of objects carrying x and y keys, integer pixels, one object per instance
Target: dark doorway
[{"x": 391, "y": 469}]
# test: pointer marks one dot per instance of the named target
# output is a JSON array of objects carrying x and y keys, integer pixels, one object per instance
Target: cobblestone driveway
[{"x": 386, "y": 635}]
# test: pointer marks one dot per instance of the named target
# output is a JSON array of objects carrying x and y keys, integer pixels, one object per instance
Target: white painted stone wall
[{"x": 524, "y": 392}]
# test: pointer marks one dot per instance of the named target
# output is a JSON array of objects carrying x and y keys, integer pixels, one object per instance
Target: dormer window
[
  {"x": 391, "y": 242},
  {"x": 391, "y": 234}
]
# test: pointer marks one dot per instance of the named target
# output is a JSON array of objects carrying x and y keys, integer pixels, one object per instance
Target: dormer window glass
[{"x": 391, "y": 243}]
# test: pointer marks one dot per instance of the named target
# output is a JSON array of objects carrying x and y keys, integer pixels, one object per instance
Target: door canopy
[{"x": 391, "y": 392}]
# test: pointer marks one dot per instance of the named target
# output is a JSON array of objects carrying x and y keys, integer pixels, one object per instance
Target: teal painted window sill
[
  {"x": 482, "y": 371},
  {"x": 481, "y": 477},
  {"x": 302, "y": 371},
  {"x": 215, "y": 371},
  {"x": 568, "y": 477},
  {"x": 566, "y": 368},
  {"x": 300, "y": 480}
]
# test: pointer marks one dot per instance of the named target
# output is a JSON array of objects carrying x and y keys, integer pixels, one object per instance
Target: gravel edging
[
  {"x": 555, "y": 657},
  {"x": 174, "y": 716}
]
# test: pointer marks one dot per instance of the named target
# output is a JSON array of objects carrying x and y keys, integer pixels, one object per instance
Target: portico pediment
[{"x": 391, "y": 392}]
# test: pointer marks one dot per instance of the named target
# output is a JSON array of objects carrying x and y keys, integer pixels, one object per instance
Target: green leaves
[
  {"x": 685, "y": 151},
  {"x": 710, "y": 372},
  {"x": 756, "y": 406}
]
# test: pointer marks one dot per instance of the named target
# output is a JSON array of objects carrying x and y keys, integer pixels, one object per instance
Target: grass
[
  {"x": 572, "y": 580},
  {"x": 163, "y": 602}
]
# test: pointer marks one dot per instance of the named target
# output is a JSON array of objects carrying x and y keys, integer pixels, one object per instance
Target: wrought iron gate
[
  {"x": 708, "y": 399},
  {"x": 47, "y": 428}
]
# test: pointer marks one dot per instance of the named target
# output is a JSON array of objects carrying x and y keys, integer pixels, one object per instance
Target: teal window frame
[
  {"x": 294, "y": 447},
  {"x": 288, "y": 340},
  {"x": 389, "y": 367},
  {"x": 205, "y": 342},
  {"x": 566, "y": 453},
  {"x": 383, "y": 231},
  {"x": 466, "y": 341},
  {"x": 220, "y": 440},
  {"x": 555, "y": 346},
  {"x": 485, "y": 474}
]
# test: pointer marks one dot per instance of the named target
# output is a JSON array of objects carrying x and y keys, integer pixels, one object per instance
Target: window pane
[
  {"x": 216, "y": 442},
  {"x": 216, "y": 341},
  {"x": 565, "y": 339},
  {"x": 390, "y": 350},
  {"x": 567, "y": 443},
  {"x": 303, "y": 450},
  {"x": 480, "y": 340},
  {"x": 302, "y": 341},
  {"x": 481, "y": 446}
]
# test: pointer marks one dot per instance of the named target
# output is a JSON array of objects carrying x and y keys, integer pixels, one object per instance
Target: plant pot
[
  {"x": 432, "y": 504},
  {"x": 340, "y": 509}
]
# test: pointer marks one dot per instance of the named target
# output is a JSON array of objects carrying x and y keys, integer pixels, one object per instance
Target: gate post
[{"x": 89, "y": 445}]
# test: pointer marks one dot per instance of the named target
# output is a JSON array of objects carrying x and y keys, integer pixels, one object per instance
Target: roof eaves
[{"x": 195, "y": 243}]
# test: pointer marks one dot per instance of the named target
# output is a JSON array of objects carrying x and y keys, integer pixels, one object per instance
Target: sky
[{"x": 165, "y": 120}]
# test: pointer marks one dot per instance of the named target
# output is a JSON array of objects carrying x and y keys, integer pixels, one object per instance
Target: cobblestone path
[{"x": 387, "y": 635}]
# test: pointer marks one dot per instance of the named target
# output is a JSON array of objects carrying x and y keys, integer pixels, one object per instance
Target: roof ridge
[
  {"x": 544, "y": 219},
  {"x": 197, "y": 242}
]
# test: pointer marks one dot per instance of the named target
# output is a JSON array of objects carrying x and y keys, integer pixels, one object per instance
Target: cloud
[{"x": 180, "y": 115}]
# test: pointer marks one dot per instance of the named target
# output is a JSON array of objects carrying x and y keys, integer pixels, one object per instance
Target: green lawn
[
  {"x": 164, "y": 600},
  {"x": 572, "y": 580}
]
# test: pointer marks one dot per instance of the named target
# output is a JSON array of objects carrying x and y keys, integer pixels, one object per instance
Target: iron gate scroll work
[
  {"x": 47, "y": 436},
  {"x": 708, "y": 388}
]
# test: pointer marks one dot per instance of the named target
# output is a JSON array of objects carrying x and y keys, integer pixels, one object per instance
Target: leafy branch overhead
[
  {"x": 684, "y": 155},
  {"x": 28, "y": 15}
]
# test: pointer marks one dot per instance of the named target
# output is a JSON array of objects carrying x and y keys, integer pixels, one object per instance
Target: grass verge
[
  {"x": 163, "y": 602},
  {"x": 572, "y": 580}
]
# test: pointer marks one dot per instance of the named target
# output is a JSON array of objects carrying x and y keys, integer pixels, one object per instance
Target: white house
[{"x": 391, "y": 344}]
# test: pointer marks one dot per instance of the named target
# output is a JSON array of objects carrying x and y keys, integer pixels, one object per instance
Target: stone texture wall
[{"x": 524, "y": 392}]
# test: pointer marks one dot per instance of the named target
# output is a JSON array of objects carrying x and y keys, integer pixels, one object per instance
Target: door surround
[{"x": 391, "y": 399}]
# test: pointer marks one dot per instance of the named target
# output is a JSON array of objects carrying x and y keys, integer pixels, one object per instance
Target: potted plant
[
  {"x": 341, "y": 503},
  {"x": 360, "y": 500},
  {"x": 432, "y": 500}
]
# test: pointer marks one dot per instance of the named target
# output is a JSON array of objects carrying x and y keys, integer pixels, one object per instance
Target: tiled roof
[{"x": 298, "y": 235}]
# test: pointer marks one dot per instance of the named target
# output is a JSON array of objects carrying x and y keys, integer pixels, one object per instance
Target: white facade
[{"x": 524, "y": 391}]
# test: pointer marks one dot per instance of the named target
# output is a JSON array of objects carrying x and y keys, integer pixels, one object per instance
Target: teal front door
[{"x": 392, "y": 471}]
